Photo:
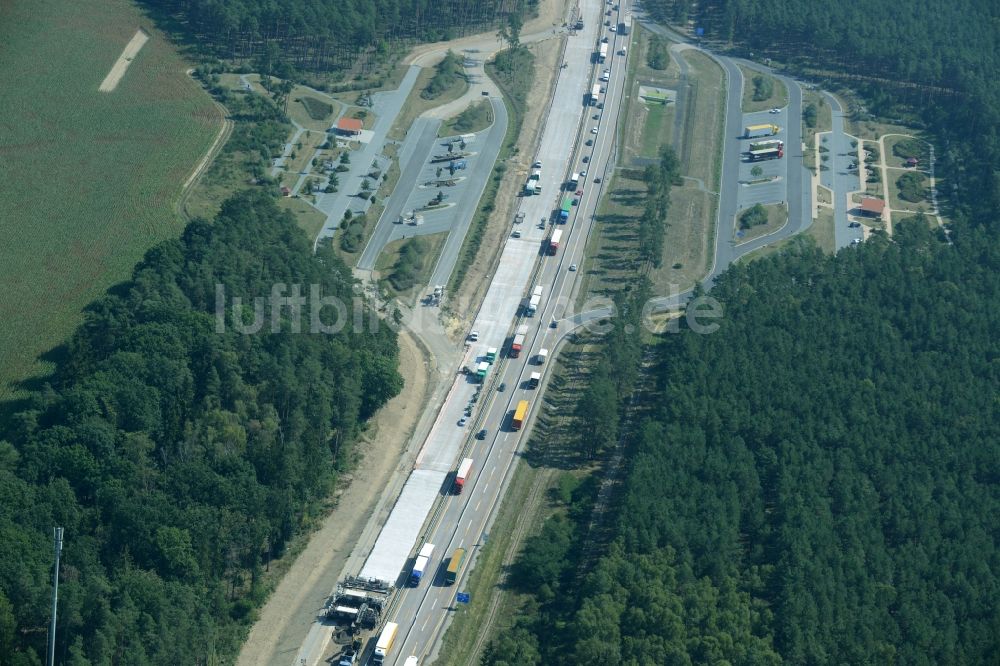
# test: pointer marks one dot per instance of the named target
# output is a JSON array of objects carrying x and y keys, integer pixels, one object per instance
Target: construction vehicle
[
  {"x": 385, "y": 641},
  {"x": 462, "y": 475},
  {"x": 357, "y": 603},
  {"x": 755, "y": 131},
  {"x": 534, "y": 380},
  {"x": 420, "y": 566},
  {"x": 518, "y": 344},
  {"x": 454, "y": 566},
  {"x": 519, "y": 415},
  {"x": 554, "y": 242}
]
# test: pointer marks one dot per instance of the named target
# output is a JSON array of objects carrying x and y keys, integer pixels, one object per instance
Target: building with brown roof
[
  {"x": 872, "y": 207},
  {"x": 349, "y": 126}
]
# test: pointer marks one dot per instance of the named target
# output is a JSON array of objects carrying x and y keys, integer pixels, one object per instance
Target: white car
[
  {"x": 775, "y": 110},
  {"x": 614, "y": 28},
  {"x": 572, "y": 267},
  {"x": 462, "y": 421},
  {"x": 593, "y": 130},
  {"x": 537, "y": 165},
  {"x": 474, "y": 336},
  {"x": 583, "y": 174}
]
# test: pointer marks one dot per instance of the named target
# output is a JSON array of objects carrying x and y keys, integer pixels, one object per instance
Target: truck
[
  {"x": 532, "y": 307},
  {"x": 462, "y": 475},
  {"x": 410, "y": 661},
  {"x": 542, "y": 355},
  {"x": 518, "y": 344},
  {"x": 574, "y": 180},
  {"x": 482, "y": 370},
  {"x": 772, "y": 152},
  {"x": 564, "y": 210},
  {"x": 491, "y": 355},
  {"x": 454, "y": 566},
  {"x": 594, "y": 94},
  {"x": 457, "y": 164},
  {"x": 519, "y": 415},
  {"x": 554, "y": 241},
  {"x": 534, "y": 380},
  {"x": 755, "y": 131},
  {"x": 385, "y": 641},
  {"x": 420, "y": 566},
  {"x": 625, "y": 27},
  {"x": 534, "y": 184},
  {"x": 602, "y": 53}
]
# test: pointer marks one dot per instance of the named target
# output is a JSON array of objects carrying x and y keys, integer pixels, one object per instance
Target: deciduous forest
[{"x": 181, "y": 459}]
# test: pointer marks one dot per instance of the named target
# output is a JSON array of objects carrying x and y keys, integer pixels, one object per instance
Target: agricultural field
[{"x": 91, "y": 178}]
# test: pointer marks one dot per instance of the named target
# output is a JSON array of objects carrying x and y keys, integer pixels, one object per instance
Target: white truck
[
  {"x": 534, "y": 302},
  {"x": 543, "y": 354}
]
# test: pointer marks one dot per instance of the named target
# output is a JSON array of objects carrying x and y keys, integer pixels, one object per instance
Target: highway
[{"x": 463, "y": 521}]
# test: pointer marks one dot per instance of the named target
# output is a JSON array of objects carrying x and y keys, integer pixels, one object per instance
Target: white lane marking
[
  {"x": 424, "y": 625},
  {"x": 478, "y": 505}
]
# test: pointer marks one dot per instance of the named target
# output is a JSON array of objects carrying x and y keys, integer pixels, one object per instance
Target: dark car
[
  {"x": 590, "y": 142},
  {"x": 502, "y": 387},
  {"x": 586, "y": 158},
  {"x": 482, "y": 434}
]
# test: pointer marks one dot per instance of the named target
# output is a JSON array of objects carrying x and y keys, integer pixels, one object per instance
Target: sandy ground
[
  {"x": 474, "y": 287},
  {"x": 124, "y": 60},
  {"x": 291, "y": 609}
]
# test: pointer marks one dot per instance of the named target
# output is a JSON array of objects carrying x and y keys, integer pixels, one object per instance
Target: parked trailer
[
  {"x": 754, "y": 131},
  {"x": 554, "y": 241},
  {"x": 462, "y": 475},
  {"x": 454, "y": 566},
  {"x": 385, "y": 641},
  {"x": 764, "y": 145}
]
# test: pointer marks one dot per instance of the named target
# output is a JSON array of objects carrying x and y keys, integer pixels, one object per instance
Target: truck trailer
[
  {"x": 420, "y": 566},
  {"x": 543, "y": 354},
  {"x": 602, "y": 53},
  {"x": 564, "y": 210},
  {"x": 554, "y": 241},
  {"x": 518, "y": 344},
  {"x": 519, "y": 415},
  {"x": 462, "y": 475},
  {"x": 454, "y": 566},
  {"x": 594, "y": 94},
  {"x": 755, "y": 131},
  {"x": 385, "y": 641},
  {"x": 773, "y": 152}
]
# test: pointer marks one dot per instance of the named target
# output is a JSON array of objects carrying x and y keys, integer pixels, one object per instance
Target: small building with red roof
[
  {"x": 349, "y": 126},
  {"x": 872, "y": 207}
]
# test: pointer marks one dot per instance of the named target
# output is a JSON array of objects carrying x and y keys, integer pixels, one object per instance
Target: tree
[{"x": 757, "y": 171}]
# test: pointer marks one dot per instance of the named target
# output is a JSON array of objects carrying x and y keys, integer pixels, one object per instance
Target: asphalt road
[{"x": 464, "y": 521}]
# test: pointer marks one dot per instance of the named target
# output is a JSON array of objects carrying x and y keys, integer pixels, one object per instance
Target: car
[
  {"x": 597, "y": 180},
  {"x": 579, "y": 192},
  {"x": 554, "y": 324},
  {"x": 516, "y": 234},
  {"x": 474, "y": 336},
  {"x": 593, "y": 130},
  {"x": 607, "y": 13},
  {"x": 462, "y": 421},
  {"x": 854, "y": 225},
  {"x": 583, "y": 174},
  {"x": 590, "y": 142},
  {"x": 775, "y": 110},
  {"x": 614, "y": 28},
  {"x": 485, "y": 93},
  {"x": 586, "y": 159},
  {"x": 502, "y": 387},
  {"x": 603, "y": 90},
  {"x": 537, "y": 164},
  {"x": 572, "y": 267},
  {"x": 482, "y": 434},
  {"x": 607, "y": 23},
  {"x": 604, "y": 40},
  {"x": 856, "y": 241},
  {"x": 576, "y": 202},
  {"x": 596, "y": 116}
]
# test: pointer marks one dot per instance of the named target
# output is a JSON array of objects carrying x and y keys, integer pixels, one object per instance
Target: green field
[{"x": 90, "y": 179}]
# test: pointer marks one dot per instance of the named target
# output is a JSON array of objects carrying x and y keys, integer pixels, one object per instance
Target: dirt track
[{"x": 110, "y": 81}]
